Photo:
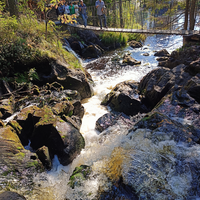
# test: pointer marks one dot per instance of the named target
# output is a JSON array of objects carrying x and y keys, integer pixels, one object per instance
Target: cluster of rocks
[
  {"x": 160, "y": 143},
  {"x": 41, "y": 122}
]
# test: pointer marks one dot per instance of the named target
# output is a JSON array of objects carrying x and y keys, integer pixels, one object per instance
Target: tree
[
  {"x": 186, "y": 15},
  {"x": 192, "y": 14},
  {"x": 13, "y": 8}
]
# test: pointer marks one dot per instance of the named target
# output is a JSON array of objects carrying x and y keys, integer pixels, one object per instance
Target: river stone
[
  {"x": 16, "y": 162},
  {"x": 135, "y": 44},
  {"x": 73, "y": 79},
  {"x": 155, "y": 85},
  {"x": 43, "y": 155},
  {"x": 145, "y": 54},
  {"x": 173, "y": 106},
  {"x": 92, "y": 51},
  {"x": 194, "y": 67},
  {"x": 6, "y": 108},
  {"x": 63, "y": 108},
  {"x": 162, "y": 53},
  {"x": 98, "y": 65},
  {"x": 124, "y": 98},
  {"x": 89, "y": 37},
  {"x": 162, "y": 58},
  {"x": 78, "y": 109},
  {"x": 61, "y": 137},
  {"x": 8, "y": 195},
  {"x": 79, "y": 174},
  {"x": 25, "y": 120},
  {"x": 193, "y": 87},
  {"x": 127, "y": 59}
]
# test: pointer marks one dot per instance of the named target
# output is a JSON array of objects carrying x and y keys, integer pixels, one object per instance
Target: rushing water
[{"x": 100, "y": 155}]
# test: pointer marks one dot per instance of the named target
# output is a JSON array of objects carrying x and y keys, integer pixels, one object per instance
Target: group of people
[{"x": 71, "y": 9}]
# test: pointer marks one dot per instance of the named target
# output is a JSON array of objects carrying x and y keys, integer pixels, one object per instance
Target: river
[{"x": 53, "y": 184}]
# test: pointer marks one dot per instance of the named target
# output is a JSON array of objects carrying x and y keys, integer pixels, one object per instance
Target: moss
[
  {"x": 70, "y": 113},
  {"x": 79, "y": 174},
  {"x": 33, "y": 163}
]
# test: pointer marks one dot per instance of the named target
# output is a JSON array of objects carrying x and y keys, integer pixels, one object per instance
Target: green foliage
[
  {"x": 26, "y": 40},
  {"x": 110, "y": 38}
]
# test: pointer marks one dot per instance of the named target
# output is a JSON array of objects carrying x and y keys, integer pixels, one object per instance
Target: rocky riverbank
[{"x": 158, "y": 123}]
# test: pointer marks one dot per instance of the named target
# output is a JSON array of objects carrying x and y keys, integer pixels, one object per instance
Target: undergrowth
[
  {"x": 25, "y": 40},
  {"x": 110, "y": 38}
]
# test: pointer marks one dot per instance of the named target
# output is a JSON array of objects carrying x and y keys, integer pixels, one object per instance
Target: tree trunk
[
  {"x": 120, "y": 14},
  {"x": 114, "y": 12},
  {"x": 186, "y": 15},
  {"x": 192, "y": 14},
  {"x": 13, "y": 8}
]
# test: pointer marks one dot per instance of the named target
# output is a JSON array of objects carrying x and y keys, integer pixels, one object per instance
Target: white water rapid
[{"x": 53, "y": 185}]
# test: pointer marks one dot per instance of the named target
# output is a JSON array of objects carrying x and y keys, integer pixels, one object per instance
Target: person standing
[
  {"x": 100, "y": 6},
  {"x": 71, "y": 8},
  {"x": 67, "y": 11},
  {"x": 83, "y": 13}
]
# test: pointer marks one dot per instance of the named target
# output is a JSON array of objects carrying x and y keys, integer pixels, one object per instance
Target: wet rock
[
  {"x": 89, "y": 37},
  {"x": 43, "y": 155},
  {"x": 130, "y": 61},
  {"x": 92, "y": 51},
  {"x": 111, "y": 119},
  {"x": 63, "y": 108},
  {"x": 105, "y": 121},
  {"x": 8, "y": 195},
  {"x": 25, "y": 121},
  {"x": 98, "y": 65},
  {"x": 162, "y": 53},
  {"x": 79, "y": 174},
  {"x": 62, "y": 138},
  {"x": 75, "y": 121},
  {"x": 124, "y": 98},
  {"x": 173, "y": 106},
  {"x": 118, "y": 190},
  {"x": 75, "y": 45},
  {"x": 73, "y": 79},
  {"x": 16, "y": 162},
  {"x": 6, "y": 108},
  {"x": 193, "y": 87},
  {"x": 78, "y": 109},
  {"x": 154, "y": 87},
  {"x": 135, "y": 44},
  {"x": 145, "y": 54},
  {"x": 162, "y": 58},
  {"x": 194, "y": 67}
]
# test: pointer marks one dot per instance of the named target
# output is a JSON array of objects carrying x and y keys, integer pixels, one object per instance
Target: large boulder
[
  {"x": 16, "y": 163},
  {"x": 193, "y": 87},
  {"x": 74, "y": 79},
  {"x": 162, "y": 53},
  {"x": 157, "y": 83},
  {"x": 61, "y": 138},
  {"x": 92, "y": 51},
  {"x": 194, "y": 67},
  {"x": 124, "y": 98},
  {"x": 90, "y": 38}
]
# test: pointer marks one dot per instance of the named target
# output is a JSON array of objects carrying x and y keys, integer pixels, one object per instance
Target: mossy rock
[
  {"x": 79, "y": 174},
  {"x": 6, "y": 107}
]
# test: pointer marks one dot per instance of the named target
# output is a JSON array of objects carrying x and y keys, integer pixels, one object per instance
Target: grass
[{"x": 25, "y": 40}]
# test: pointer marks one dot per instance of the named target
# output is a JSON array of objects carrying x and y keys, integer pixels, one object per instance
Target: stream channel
[{"x": 100, "y": 153}]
